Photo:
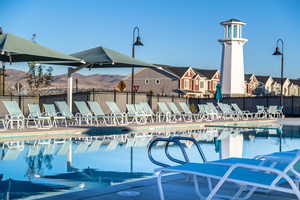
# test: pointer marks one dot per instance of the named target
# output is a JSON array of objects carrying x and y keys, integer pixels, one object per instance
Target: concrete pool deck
[
  {"x": 176, "y": 187},
  {"x": 81, "y": 131}
]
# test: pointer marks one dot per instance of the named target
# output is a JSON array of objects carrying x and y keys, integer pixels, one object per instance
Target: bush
[{"x": 193, "y": 108}]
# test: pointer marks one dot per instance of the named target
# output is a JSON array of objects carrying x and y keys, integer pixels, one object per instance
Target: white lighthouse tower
[{"x": 232, "y": 65}]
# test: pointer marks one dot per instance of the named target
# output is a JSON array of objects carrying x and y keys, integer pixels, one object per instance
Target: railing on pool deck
[{"x": 177, "y": 141}]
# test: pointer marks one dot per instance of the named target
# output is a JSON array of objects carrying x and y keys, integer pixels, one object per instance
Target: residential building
[
  {"x": 251, "y": 83},
  {"x": 171, "y": 80}
]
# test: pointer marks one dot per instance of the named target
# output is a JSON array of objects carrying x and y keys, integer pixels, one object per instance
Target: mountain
[{"x": 97, "y": 81}]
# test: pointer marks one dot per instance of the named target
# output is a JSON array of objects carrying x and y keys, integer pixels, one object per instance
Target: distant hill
[{"x": 97, "y": 81}]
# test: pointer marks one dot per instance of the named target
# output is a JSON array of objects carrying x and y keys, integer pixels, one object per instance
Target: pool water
[{"x": 39, "y": 168}]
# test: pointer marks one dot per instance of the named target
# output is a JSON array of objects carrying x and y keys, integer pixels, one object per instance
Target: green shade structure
[
  {"x": 101, "y": 57},
  {"x": 218, "y": 94},
  {"x": 16, "y": 49}
]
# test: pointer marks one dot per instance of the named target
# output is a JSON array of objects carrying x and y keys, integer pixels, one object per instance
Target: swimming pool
[{"x": 39, "y": 168}]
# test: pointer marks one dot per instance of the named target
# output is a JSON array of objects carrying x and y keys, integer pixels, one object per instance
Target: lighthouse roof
[{"x": 233, "y": 21}]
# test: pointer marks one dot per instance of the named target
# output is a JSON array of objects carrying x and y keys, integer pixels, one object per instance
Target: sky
[{"x": 174, "y": 32}]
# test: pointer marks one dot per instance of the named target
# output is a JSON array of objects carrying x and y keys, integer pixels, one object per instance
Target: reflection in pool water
[{"x": 53, "y": 166}]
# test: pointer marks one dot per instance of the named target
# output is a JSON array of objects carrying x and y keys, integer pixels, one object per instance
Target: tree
[
  {"x": 38, "y": 77},
  {"x": 121, "y": 86}
]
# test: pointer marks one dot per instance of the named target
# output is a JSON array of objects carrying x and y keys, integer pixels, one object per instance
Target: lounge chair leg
[
  {"x": 195, "y": 180},
  {"x": 160, "y": 188}
]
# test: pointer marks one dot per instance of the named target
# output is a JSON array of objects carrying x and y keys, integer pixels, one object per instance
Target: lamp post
[
  {"x": 135, "y": 42},
  {"x": 280, "y": 53}
]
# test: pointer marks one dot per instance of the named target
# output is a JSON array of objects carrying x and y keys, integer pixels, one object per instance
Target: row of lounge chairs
[{"x": 91, "y": 113}]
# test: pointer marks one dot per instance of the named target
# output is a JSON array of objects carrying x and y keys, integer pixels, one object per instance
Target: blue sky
[{"x": 174, "y": 32}]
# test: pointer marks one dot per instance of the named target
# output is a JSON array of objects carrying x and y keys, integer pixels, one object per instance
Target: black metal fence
[{"x": 291, "y": 103}]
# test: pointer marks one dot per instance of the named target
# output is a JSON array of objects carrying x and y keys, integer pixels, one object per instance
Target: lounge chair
[
  {"x": 261, "y": 112},
  {"x": 245, "y": 114},
  {"x": 149, "y": 115},
  {"x": 188, "y": 112},
  {"x": 118, "y": 117},
  {"x": 147, "y": 109},
  {"x": 274, "y": 112},
  {"x": 136, "y": 116},
  {"x": 250, "y": 174},
  {"x": 38, "y": 117},
  {"x": 227, "y": 113},
  {"x": 84, "y": 113},
  {"x": 210, "y": 111},
  {"x": 14, "y": 114},
  {"x": 165, "y": 114},
  {"x": 55, "y": 116},
  {"x": 65, "y": 111},
  {"x": 179, "y": 115},
  {"x": 98, "y": 112}
]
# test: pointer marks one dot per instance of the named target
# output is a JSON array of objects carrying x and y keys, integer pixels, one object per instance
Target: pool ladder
[{"x": 175, "y": 140}]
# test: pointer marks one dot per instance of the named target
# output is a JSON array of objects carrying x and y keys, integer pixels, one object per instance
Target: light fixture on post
[
  {"x": 135, "y": 42},
  {"x": 277, "y": 52}
]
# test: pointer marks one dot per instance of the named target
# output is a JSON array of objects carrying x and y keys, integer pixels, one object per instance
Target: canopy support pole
[
  {"x": 70, "y": 89},
  {"x": 70, "y": 85}
]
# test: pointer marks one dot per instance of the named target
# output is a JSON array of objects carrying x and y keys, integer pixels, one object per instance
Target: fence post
[
  {"x": 93, "y": 91},
  {"x": 293, "y": 105},
  {"x": 115, "y": 95}
]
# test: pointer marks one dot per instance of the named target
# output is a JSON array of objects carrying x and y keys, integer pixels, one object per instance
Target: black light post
[
  {"x": 280, "y": 53},
  {"x": 135, "y": 42}
]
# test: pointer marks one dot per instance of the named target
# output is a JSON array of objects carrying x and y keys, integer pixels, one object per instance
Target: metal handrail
[
  {"x": 174, "y": 140},
  {"x": 182, "y": 151},
  {"x": 151, "y": 144},
  {"x": 179, "y": 138}
]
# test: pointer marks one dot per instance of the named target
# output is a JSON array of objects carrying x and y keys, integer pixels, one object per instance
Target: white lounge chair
[
  {"x": 165, "y": 114},
  {"x": 56, "y": 117},
  {"x": 84, "y": 113},
  {"x": 98, "y": 112},
  {"x": 136, "y": 116},
  {"x": 65, "y": 111},
  {"x": 38, "y": 117},
  {"x": 245, "y": 114},
  {"x": 250, "y": 174},
  {"x": 118, "y": 116},
  {"x": 188, "y": 112}
]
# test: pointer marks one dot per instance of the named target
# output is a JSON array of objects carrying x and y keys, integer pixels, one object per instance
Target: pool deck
[
  {"x": 83, "y": 131},
  {"x": 176, "y": 187}
]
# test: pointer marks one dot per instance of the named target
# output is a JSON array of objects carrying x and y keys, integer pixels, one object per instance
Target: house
[
  {"x": 264, "y": 85},
  {"x": 156, "y": 81},
  {"x": 171, "y": 80},
  {"x": 294, "y": 89},
  {"x": 251, "y": 83},
  {"x": 277, "y": 86},
  {"x": 212, "y": 79}
]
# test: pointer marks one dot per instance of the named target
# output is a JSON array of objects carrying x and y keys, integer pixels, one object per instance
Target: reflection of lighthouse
[
  {"x": 232, "y": 146},
  {"x": 232, "y": 66}
]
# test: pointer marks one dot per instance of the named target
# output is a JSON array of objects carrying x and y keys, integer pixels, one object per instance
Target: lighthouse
[{"x": 232, "y": 64}]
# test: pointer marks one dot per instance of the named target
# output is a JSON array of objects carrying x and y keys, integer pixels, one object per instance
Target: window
[
  {"x": 201, "y": 84},
  {"x": 186, "y": 84},
  {"x": 157, "y": 82},
  {"x": 146, "y": 82},
  {"x": 235, "y": 31},
  {"x": 229, "y": 31}
]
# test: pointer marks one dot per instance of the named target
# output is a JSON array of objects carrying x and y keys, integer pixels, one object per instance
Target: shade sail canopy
[
  {"x": 101, "y": 57},
  {"x": 16, "y": 49}
]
